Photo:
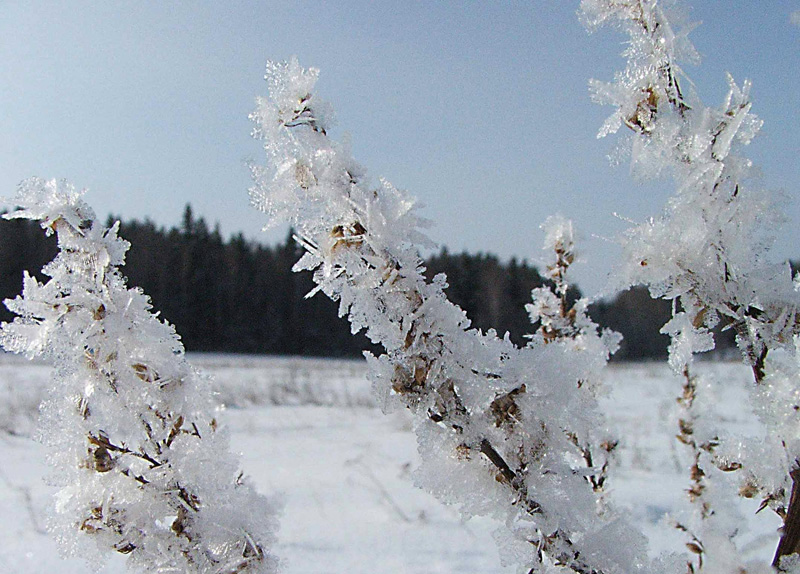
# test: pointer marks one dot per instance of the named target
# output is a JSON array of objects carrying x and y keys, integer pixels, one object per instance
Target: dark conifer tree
[{"x": 240, "y": 296}]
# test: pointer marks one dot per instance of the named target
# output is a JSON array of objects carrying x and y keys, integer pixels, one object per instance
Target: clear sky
[{"x": 480, "y": 109}]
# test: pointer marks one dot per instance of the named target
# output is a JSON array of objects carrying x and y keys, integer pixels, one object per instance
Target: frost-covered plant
[
  {"x": 708, "y": 250},
  {"x": 142, "y": 466},
  {"x": 505, "y": 431},
  {"x": 484, "y": 406}
]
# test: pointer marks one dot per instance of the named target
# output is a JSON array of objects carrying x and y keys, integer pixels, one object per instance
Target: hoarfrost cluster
[
  {"x": 505, "y": 431},
  {"x": 708, "y": 253},
  {"x": 141, "y": 466}
]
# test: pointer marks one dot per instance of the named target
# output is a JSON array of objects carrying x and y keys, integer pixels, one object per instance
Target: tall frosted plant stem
[
  {"x": 708, "y": 250},
  {"x": 142, "y": 466},
  {"x": 502, "y": 430}
]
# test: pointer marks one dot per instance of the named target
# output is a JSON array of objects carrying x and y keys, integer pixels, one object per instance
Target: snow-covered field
[{"x": 309, "y": 432}]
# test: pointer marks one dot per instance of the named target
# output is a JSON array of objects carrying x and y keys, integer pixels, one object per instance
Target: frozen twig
[
  {"x": 502, "y": 430},
  {"x": 130, "y": 426},
  {"x": 708, "y": 250}
]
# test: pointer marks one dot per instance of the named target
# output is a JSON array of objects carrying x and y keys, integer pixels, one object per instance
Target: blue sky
[{"x": 480, "y": 109}]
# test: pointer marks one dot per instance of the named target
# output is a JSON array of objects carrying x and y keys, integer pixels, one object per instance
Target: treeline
[{"x": 239, "y": 296}]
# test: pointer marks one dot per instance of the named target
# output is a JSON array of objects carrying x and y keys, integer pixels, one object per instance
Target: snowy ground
[{"x": 309, "y": 430}]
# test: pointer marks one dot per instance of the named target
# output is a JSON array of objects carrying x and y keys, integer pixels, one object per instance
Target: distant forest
[{"x": 240, "y": 296}]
